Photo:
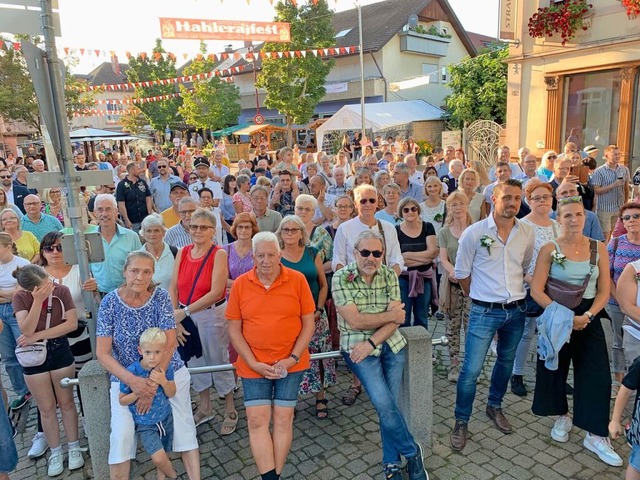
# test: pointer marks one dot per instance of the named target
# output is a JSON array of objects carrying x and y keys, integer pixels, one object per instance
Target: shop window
[{"x": 591, "y": 108}]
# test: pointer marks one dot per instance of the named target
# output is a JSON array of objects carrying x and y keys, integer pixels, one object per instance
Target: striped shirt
[
  {"x": 621, "y": 252},
  {"x": 348, "y": 287},
  {"x": 178, "y": 236},
  {"x": 604, "y": 176}
]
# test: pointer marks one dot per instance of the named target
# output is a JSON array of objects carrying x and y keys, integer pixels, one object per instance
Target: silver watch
[{"x": 187, "y": 311}]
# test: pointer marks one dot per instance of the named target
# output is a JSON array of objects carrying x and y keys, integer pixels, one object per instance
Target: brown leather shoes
[
  {"x": 499, "y": 419},
  {"x": 458, "y": 437}
]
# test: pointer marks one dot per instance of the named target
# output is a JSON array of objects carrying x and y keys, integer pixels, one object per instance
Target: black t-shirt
[
  {"x": 632, "y": 381},
  {"x": 134, "y": 195},
  {"x": 417, "y": 244},
  {"x": 259, "y": 157}
]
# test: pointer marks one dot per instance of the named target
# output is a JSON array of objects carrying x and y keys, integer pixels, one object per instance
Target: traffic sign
[
  {"x": 258, "y": 119},
  {"x": 56, "y": 179},
  {"x": 23, "y": 16}
]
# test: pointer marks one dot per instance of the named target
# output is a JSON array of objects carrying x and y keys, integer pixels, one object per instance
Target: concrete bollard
[
  {"x": 416, "y": 390},
  {"x": 94, "y": 387}
]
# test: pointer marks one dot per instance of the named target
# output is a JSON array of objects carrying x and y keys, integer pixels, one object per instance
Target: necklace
[{"x": 574, "y": 245}]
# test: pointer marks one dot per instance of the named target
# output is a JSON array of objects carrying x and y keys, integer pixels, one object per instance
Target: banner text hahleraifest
[{"x": 202, "y": 29}]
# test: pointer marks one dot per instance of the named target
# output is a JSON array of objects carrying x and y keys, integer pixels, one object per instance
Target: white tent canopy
[{"x": 378, "y": 116}]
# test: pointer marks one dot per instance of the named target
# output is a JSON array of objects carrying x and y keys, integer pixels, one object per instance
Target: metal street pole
[
  {"x": 65, "y": 156},
  {"x": 362, "y": 112}
]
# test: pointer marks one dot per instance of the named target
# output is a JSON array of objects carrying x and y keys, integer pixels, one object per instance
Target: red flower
[{"x": 563, "y": 18}]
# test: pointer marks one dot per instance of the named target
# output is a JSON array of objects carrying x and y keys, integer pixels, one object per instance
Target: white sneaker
[
  {"x": 602, "y": 447},
  {"x": 56, "y": 464},
  {"x": 39, "y": 446},
  {"x": 76, "y": 460},
  {"x": 561, "y": 429}
]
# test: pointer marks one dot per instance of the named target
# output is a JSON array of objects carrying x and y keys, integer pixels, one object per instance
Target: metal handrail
[{"x": 70, "y": 382}]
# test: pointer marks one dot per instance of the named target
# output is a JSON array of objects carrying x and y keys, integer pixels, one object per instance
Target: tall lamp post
[{"x": 362, "y": 110}]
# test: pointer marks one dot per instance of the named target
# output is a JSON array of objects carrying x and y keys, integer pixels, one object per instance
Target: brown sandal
[
  {"x": 322, "y": 413},
  {"x": 349, "y": 397},
  {"x": 229, "y": 423}
]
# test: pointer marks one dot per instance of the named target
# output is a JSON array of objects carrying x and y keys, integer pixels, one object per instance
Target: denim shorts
[
  {"x": 282, "y": 392},
  {"x": 158, "y": 436},
  {"x": 59, "y": 356},
  {"x": 634, "y": 457}
]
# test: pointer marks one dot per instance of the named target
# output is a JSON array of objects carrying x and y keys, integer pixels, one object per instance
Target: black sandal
[{"x": 322, "y": 413}]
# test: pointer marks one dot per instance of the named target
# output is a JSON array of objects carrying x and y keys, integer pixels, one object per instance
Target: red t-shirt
[
  {"x": 271, "y": 318},
  {"x": 188, "y": 269}
]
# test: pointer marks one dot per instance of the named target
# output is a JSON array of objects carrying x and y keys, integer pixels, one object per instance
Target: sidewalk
[{"x": 347, "y": 444}]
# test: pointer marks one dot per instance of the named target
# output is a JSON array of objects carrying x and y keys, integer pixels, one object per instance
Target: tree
[
  {"x": 295, "y": 86},
  {"x": 18, "y": 97},
  {"x": 158, "y": 66},
  {"x": 478, "y": 89},
  {"x": 211, "y": 103},
  {"x": 133, "y": 122}
]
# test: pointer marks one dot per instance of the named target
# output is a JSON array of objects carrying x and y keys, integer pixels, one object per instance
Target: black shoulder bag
[{"x": 193, "y": 346}]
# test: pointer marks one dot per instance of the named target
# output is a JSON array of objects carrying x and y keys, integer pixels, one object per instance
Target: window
[
  {"x": 591, "y": 106},
  {"x": 431, "y": 70},
  {"x": 342, "y": 33}
]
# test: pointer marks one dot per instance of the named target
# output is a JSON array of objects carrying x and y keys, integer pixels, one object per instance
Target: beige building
[{"x": 586, "y": 89}]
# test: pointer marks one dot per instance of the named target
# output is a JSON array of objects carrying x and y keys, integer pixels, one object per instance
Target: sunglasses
[
  {"x": 53, "y": 248},
  {"x": 162, "y": 166},
  {"x": 363, "y": 201},
  {"x": 366, "y": 253},
  {"x": 635, "y": 216},
  {"x": 552, "y": 156},
  {"x": 5, "y": 176},
  {"x": 409, "y": 209}
]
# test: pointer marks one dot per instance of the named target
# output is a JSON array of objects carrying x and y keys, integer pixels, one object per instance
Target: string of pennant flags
[
  {"x": 104, "y": 113},
  {"x": 109, "y": 54}
]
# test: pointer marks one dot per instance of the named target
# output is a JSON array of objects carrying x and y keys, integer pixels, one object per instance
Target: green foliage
[
  {"x": 17, "y": 96},
  {"x": 212, "y": 103},
  {"x": 426, "y": 147},
  {"x": 295, "y": 86},
  {"x": 133, "y": 122},
  {"x": 156, "y": 67},
  {"x": 432, "y": 30},
  {"x": 478, "y": 89}
]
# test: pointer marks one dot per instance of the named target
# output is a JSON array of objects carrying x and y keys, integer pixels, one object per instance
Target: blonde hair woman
[
  {"x": 468, "y": 183},
  {"x": 26, "y": 242},
  {"x": 52, "y": 203},
  {"x": 4, "y": 204}
]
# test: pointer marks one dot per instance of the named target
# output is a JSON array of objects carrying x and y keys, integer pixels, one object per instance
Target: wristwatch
[
  {"x": 589, "y": 314},
  {"x": 187, "y": 311}
]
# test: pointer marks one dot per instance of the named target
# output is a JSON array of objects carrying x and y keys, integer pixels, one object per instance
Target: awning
[
  {"x": 96, "y": 134},
  {"x": 251, "y": 129},
  {"x": 223, "y": 132}
]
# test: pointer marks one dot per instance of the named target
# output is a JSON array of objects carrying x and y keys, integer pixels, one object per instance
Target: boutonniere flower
[
  {"x": 638, "y": 277},
  {"x": 438, "y": 217},
  {"x": 195, "y": 188},
  {"x": 351, "y": 277},
  {"x": 486, "y": 241},
  {"x": 127, "y": 185},
  {"x": 559, "y": 259}
]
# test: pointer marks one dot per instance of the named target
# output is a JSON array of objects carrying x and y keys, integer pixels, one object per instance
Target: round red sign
[{"x": 258, "y": 119}]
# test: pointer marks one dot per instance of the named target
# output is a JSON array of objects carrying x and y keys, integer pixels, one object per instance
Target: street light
[{"x": 362, "y": 110}]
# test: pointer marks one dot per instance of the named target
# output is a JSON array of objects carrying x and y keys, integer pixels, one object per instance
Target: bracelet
[
  {"x": 295, "y": 357},
  {"x": 372, "y": 343}
]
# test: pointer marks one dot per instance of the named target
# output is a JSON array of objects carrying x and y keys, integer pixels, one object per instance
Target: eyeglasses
[
  {"x": 193, "y": 178},
  {"x": 289, "y": 231},
  {"x": 202, "y": 228},
  {"x": 304, "y": 209},
  {"x": 635, "y": 216},
  {"x": 366, "y": 253},
  {"x": 409, "y": 209},
  {"x": 539, "y": 198},
  {"x": 552, "y": 156},
  {"x": 185, "y": 212},
  {"x": 5, "y": 176},
  {"x": 32, "y": 204},
  {"x": 363, "y": 201},
  {"x": 343, "y": 207},
  {"x": 52, "y": 248},
  {"x": 244, "y": 227},
  {"x": 54, "y": 192},
  {"x": 162, "y": 166}
]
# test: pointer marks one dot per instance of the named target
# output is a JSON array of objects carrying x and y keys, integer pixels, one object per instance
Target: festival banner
[{"x": 202, "y": 29}]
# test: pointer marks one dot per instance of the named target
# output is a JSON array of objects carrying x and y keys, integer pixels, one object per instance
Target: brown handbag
[{"x": 568, "y": 294}]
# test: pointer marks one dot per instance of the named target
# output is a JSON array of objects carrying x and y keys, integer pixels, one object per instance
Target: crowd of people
[{"x": 299, "y": 253}]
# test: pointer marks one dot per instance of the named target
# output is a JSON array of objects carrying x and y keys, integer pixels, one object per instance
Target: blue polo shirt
[
  {"x": 108, "y": 273},
  {"x": 47, "y": 223}
]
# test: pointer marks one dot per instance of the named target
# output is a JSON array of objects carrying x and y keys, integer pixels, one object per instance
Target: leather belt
[{"x": 499, "y": 306}]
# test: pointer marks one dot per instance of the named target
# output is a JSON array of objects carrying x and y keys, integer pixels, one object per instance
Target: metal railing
[{"x": 71, "y": 382}]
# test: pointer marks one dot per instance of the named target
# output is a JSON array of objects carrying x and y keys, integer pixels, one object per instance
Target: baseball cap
[
  {"x": 200, "y": 161},
  {"x": 179, "y": 185}
]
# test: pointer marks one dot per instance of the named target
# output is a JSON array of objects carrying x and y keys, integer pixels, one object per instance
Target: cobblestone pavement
[{"x": 347, "y": 444}]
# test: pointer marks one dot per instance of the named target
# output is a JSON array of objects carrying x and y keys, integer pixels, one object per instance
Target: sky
[{"x": 132, "y": 25}]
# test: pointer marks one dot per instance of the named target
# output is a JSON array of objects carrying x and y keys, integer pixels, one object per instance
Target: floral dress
[{"x": 321, "y": 339}]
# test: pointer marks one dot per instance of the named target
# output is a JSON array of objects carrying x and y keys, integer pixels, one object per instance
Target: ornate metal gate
[{"x": 481, "y": 141}]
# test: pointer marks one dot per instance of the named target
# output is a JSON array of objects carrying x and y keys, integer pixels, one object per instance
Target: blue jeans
[
  {"x": 8, "y": 338},
  {"x": 483, "y": 325},
  {"x": 418, "y": 305},
  {"x": 381, "y": 378},
  {"x": 8, "y": 453}
]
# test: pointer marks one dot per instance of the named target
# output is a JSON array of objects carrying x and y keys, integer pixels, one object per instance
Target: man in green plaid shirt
[{"x": 367, "y": 297}]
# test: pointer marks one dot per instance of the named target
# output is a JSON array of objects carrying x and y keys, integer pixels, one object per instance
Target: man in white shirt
[
  {"x": 326, "y": 202},
  {"x": 493, "y": 257},
  {"x": 201, "y": 166},
  {"x": 366, "y": 199},
  {"x": 218, "y": 169},
  {"x": 415, "y": 175}
]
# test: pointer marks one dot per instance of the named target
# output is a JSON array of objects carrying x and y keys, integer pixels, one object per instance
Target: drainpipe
[{"x": 386, "y": 86}]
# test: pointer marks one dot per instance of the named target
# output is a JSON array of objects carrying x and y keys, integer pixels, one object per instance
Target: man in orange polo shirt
[
  {"x": 171, "y": 216},
  {"x": 271, "y": 321}
]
